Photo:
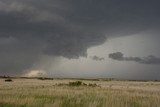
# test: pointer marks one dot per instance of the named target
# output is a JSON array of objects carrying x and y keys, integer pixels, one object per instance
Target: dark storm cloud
[
  {"x": 32, "y": 28},
  {"x": 96, "y": 58},
  {"x": 144, "y": 60}
]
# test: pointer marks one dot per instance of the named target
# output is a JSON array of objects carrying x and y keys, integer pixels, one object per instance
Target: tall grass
[{"x": 37, "y": 93}]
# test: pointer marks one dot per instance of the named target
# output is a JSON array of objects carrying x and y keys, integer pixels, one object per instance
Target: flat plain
[{"x": 56, "y": 93}]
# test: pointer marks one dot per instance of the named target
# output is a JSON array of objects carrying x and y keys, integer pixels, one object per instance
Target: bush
[
  {"x": 77, "y": 83},
  {"x": 92, "y": 85},
  {"x": 43, "y": 78},
  {"x": 84, "y": 84},
  {"x": 8, "y": 80}
]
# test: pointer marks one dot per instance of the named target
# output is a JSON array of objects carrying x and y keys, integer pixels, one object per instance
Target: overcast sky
[{"x": 80, "y": 38}]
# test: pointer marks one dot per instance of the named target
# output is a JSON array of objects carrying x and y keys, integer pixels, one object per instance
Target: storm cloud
[
  {"x": 30, "y": 29},
  {"x": 96, "y": 58},
  {"x": 143, "y": 60}
]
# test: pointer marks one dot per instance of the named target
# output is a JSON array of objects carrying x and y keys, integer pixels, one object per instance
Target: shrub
[
  {"x": 84, "y": 84},
  {"x": 76, "y": 83},
  {"x": 8, "y": 80},
  {"x": 43, "y": 78},
  {"x": 92, "y": 85}
]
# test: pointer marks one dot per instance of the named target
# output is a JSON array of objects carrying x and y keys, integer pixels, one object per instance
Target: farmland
[{"x": 92, "y": 93}]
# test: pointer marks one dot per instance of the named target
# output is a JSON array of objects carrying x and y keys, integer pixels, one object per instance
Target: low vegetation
[
  {"x": 78, "y": 93},
  {"x": 77, "y": 84},
  {"x": 44, "y": 78},
  {"x": 8, "y": 80}
]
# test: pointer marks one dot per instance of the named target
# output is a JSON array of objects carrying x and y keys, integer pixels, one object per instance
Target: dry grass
[{"x": 39, "y": 93}]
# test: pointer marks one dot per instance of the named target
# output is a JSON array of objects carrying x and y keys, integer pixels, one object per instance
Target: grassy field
[{"x": 56, "y": 93}]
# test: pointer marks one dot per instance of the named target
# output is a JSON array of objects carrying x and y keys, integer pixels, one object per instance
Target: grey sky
[{"x": 40, "y": 34}]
